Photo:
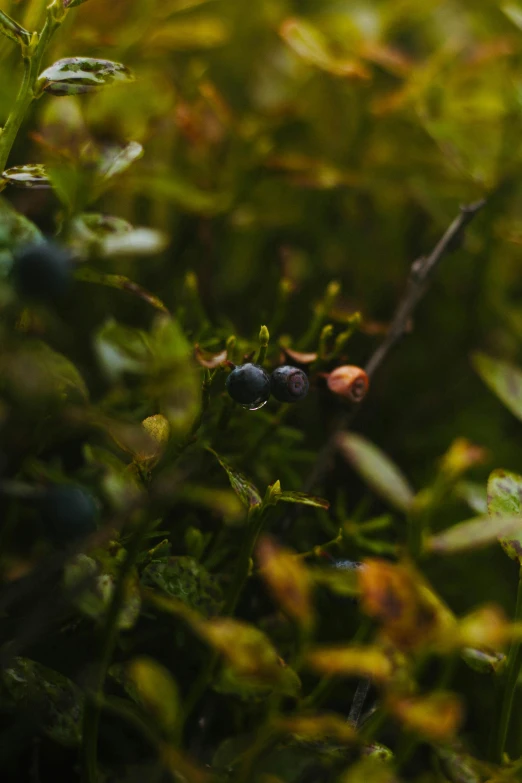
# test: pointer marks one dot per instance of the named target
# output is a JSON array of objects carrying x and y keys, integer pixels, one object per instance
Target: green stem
[
  {"x": 254, "y": 525},
  {"x": 91, "y": 718},
  {"x": 255, "y": 522},
  {"x": 32, "y": 61},
  {"x": 514, "y": 663},
  {"x": 16, "y": 116}
]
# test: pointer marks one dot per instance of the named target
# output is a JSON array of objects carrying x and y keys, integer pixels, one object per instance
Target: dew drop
[{"x": 255, "y": 406}]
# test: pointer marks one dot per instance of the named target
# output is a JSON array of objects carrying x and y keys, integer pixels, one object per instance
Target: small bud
[
  {"x": 324, "y": 339},
  {"x": 332, "y": 291},
  {"x": 286, "y": 287},
  {"x": 264, "y": 336},
  {"x": 194, "y": 542}
]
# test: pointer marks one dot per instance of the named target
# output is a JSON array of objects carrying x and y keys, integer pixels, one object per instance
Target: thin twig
[
  {"x": 359, "y": 699},
  {"x": 421, "y": 274}
]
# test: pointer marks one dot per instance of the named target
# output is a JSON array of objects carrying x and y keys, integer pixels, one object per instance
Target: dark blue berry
[
  {"x": 42, "y": 271},
  {"x": 249, "y": 385},
  {"x": 289, "y": 384},
  {"x": 68, "y": 512}
]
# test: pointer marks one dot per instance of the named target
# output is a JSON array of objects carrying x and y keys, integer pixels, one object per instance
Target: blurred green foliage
[{"x": 213, "y": 166}]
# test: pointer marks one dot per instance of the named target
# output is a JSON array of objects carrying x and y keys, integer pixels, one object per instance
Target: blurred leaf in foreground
[{"x": 377, "y": 470}]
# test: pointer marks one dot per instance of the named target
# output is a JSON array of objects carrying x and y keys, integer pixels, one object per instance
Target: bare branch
[{"x": 421, "y": 274}]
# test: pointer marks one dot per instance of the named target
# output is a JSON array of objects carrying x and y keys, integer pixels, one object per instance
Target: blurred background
[{"x": 289, "y": 144}]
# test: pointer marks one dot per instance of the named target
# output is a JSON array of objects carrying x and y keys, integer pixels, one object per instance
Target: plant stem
[
  {"x": 255, "y": 522},
  {"x": 91, "y": 719},
  {"x": 16, "y": 116},
  {"x": 421, "y": 275},
  {"x": 254, "y": 525},
  {"x": 514, "y": 663},
  {"x": 32, "y": 58}
]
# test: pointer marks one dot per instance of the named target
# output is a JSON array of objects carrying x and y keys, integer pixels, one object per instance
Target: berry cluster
[{"x": 251, "y": 386}]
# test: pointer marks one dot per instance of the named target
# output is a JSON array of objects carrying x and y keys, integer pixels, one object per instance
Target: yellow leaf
[
  {"x": 157, "y": 691},
  {"x": 309, "y": 43},
  {"x": 287, "y": 579},
  {"x": 328, "y": 726},
  {"x": 436, "y": 716},
  {"x": 411, "y": 614},
  {"x": 158, "y": 428},
  {"x": 359, "y": 660}
]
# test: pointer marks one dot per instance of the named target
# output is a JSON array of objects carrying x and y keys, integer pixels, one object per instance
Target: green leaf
[
  {"x": 458, "y": 766},
  {"x": 35, "y": 375},
  {"x": 369, "y": 770},
  {"x": 484, "y": 661},
  {"x": 186, "y": 579},
  {"x": 341, "y": 581},
  {"x": 105, "y": 235},
  {"x": 75, "y": 75},
  {"x": 95, "y": 600},
  {"x": 32, "y": 175},
  {"x": 474, "y": 494},
  {"x": 156, "y": 690},
  {"x": 222, "y": 502},
  {"x": 15, "y": 229},
  {"x": 251, "y": 689},
  {"x": 57, "y": 701},
  {"x": 100, "y": 226},
  {"x": 171, "y": 187},
  {"x": 503, "y": 379},
  {"x": 116, "y": 159},
  {"x": 13, "y": 30},
  {"x": 122, "y": 283},
  {"x": 504, "y": 500},
  {"x": 120, "y": 480},
  {"x": 245, "y": 490},
  {"x": 73, "y": 3},
  {"x": 302, "y": 499},
  {"x": 377, "y": 470},
  {"x": 136, "y": 242},
  {"x": 197, "y": 32},
  {"x": 309, "y": 43},
  {"x": 474, "y": 534},
  {"x": 513, "y": 13},
  {"x": 121, "y": 349},
  {"x": 247, "y": 650},
  {"x": 175, "y": 377}
]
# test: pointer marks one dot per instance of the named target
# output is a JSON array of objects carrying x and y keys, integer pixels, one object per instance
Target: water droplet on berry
[{"x": 254, "y": 406}]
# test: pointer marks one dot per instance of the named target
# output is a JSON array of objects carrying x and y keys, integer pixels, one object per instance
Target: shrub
[{"x": 202, "y": 585}]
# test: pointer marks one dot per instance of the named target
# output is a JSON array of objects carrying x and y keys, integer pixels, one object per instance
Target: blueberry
[
  {"x": 249, "y": 385},
  {"x": 289, "y": 384},
  {"x": 68, "y": 512},
  {"x": 42, "y": 271}
]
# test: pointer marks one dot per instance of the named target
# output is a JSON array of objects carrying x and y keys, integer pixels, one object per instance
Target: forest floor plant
[{"x": 160, "y": 615}]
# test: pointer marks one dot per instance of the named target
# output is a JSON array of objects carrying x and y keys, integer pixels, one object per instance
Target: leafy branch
[{"x": 32, "y": 54}]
